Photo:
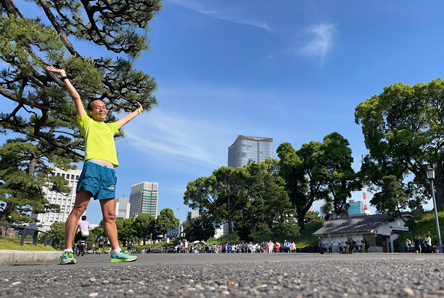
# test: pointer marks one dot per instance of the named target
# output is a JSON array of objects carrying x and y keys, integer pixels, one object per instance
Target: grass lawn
[{"x": 14, "y": 244}]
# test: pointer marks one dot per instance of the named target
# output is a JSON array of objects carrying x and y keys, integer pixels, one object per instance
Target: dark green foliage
[
  {"x": 404, "y": 132},
  {"x": 42, "y": 124},
  {"x": 127, "y": 233},
  {"x": 251, "y": 198},
  {"x": 336, "y": 157},
  {"x": 424, "y": 223},
  {"x": 199, "y": 229},
  {"x": 57, "y": 233},
  {"x": 318, "y": 171},
  {"x": 216, "y": 195},
  {"x": 313, "y": 216},
  {"x": 166, "y": 221},
  {"x": 21, "y": 192},
  {"x": 274, "y": 197},
  {"x": 143, "y": 225}
]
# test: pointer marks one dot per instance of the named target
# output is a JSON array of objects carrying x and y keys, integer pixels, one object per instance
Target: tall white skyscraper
[
  {"x": 65, "y": 201},
  {"x": 247, "y": 148},
  {"x": 122, "y": 207},
  {"x": 144, "y": 198}
]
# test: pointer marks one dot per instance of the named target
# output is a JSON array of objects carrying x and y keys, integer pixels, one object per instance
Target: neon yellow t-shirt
[{"x": 99, "y": 139}]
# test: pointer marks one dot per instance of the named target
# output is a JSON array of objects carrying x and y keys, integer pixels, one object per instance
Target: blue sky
[{"x": 290, "y": 70}]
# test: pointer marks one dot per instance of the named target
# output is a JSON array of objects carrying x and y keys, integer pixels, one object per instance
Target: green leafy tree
[
  {"x": 57, "y": 232},
  {"x": 250, "y": 198},
  {"x": 166, "y": 221},
  {"x": 392, "y": 199},
  {"x": 313, "y": 216},
  {"x": 316, "y": 174},
  {"x": 266, "y": 206},
  {"x": 404, "y": 131},
  {"x": 336, "y": 157},
  {"x": 251, "y": 201},
  {"x": 127, "y": 233},
  {"x": 227, "y": 192},
  {"x": 318, "y": 171},
  {"x": 42, "y": 123},
  {"x": 143, "y": 225},
  {"x": 21, "y": 192},
  {"x": 301, "y": 177},
  {"x": 201, "y": 228},
  {"x": 156, "y": 234},
  {"x": 217, "y": 195}
]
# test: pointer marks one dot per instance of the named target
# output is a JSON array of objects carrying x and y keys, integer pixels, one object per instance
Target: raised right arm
[{"x": 72, "y": 91}]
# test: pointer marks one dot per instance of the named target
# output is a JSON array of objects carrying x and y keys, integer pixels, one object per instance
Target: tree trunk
[
  {"x": 229, "y": 219},
  {"x": 230, "y": 225},
  {"x": 9, "y": 6},
  {"x": 7, "y": 211},
  {"x": 301, "y": 219}
]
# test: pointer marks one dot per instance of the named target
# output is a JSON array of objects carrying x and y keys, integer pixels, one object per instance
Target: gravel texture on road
[{"x": 235, "y": 275}]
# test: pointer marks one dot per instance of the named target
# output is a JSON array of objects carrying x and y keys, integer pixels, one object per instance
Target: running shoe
[
  {"x": 122, "y": 257},
  {"x": 67, "y": 258}
]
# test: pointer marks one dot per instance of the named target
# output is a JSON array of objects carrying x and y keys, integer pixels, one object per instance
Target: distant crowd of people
[
  {"x": 250, "y": 247},
  {"x": 421, "y": 245},
  {"x": 347, "y": 247}
]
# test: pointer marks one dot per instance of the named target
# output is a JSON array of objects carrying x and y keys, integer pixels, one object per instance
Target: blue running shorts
[{"x": 99, "y": 180}]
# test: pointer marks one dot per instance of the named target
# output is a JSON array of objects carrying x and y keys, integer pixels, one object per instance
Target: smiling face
[{"x": 98, "y": 110}]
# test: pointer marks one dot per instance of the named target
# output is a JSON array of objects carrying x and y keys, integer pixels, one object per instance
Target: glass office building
[
  {"x": 247, "y": 148},
  {"x": 144, "y": 198},
  {"x": 356, "y": 207}
]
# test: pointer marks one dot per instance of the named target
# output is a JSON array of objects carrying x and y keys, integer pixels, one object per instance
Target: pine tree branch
[{"x": 58, "y": 28}]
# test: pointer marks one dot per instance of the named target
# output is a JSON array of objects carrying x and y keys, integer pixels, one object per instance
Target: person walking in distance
[
  {"x": 82, "y": 234},
  {"x": 428, "y": 242},
  {"x": 98, "y": 177},
  {"x": 101, "y": 241},
  {"x": 83, "y": 228}
]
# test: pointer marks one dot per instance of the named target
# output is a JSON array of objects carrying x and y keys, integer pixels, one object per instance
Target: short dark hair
[
  {"x": 89, "y": 107},
  {"x": 84, "y": 217}
]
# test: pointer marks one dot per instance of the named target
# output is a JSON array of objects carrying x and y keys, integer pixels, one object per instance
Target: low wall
[{"x": 23, "y": 256}]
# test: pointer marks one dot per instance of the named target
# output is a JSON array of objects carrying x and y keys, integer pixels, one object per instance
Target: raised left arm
[{"x": 130, "y": 116}]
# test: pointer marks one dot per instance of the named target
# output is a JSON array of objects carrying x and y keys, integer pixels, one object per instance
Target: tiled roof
[{"x": 352, "y": 225}]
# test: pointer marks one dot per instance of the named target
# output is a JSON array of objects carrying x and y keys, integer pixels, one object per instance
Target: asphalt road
[{"x": 235, "y": 275}]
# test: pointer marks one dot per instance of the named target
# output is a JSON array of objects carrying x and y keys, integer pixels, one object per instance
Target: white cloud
[
  {"x": 253, "y": 23},
  {"x": 177, "y": 138},
  {"x": 193, "y": 135},
  {"x": 218, "y": 15},
  {"x": 320, "y": 41}
]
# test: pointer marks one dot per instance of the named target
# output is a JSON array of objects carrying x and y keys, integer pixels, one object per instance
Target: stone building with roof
[{"x": 379, "y": 230}]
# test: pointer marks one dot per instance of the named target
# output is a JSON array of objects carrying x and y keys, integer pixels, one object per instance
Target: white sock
[
  {"x": 116, "y": 251},
  {"x": 67, "y": 250}
]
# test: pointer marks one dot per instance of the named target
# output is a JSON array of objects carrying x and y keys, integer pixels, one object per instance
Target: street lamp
[{"x": 431, "y": 177}]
